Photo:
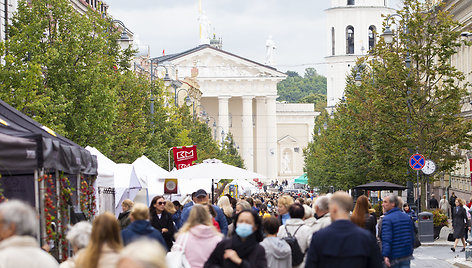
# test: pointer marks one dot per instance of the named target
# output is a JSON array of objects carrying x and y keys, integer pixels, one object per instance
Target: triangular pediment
[
  {"x": 216, "y": 63},
  {"x": 287, "y": 139}
]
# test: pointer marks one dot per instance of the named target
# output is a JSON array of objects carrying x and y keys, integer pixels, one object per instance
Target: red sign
[{"x": 184, "y": 156}]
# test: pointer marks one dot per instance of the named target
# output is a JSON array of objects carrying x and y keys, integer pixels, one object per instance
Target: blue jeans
[{"x": 402, "y": 264}]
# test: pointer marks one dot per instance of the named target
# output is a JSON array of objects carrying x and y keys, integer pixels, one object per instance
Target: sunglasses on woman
[{"x": 161, "y": 203}]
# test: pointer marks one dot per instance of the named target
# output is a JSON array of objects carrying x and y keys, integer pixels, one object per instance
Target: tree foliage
[
  {"x": 67, "y": 71},
  {"x": 309, "y": 88},
  {"x": 402, "y": 110}
]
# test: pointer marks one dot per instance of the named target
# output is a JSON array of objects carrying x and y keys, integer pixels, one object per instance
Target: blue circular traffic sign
[{"x": 417, "y": 161}]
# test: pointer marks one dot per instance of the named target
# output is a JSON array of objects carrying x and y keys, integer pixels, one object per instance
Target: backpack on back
[{"x": 297, "y": 254}]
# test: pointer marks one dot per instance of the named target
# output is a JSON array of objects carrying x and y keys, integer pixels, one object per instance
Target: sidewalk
[{"x": 457, "y": 261}]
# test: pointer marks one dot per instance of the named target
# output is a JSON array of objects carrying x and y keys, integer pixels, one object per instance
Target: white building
[
  {"x": 240, "y": 96},
  {"x": 351, "y": 28}
]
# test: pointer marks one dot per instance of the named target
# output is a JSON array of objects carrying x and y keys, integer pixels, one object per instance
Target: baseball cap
[{"x": 200, "y": 192}]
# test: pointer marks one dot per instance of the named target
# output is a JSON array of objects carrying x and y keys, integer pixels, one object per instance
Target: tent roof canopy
[
  {"x": 51, "y": 151},
  {"x": 380, "y": 186}
]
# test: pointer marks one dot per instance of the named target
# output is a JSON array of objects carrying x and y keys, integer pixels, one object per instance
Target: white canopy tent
[
  {"x": 151, "y": 177},
  {"x": 105, "y": 168},
  {"x": 201, "y": 176},
  {"x": 126, "y": 184}
]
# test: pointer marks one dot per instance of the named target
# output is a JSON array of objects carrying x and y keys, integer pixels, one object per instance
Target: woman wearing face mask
[{"x": 242, "y": 249}]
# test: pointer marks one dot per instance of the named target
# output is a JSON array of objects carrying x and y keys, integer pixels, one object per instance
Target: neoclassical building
[
  {"x": 459, "y": 180},
  {"x": 239, "y": 96},
  {"x": 351, "y": 32}
]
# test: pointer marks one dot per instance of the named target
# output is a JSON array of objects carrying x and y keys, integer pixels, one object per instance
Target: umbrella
[
  {"x": 202, "y": 176},
  {"x": 380, "y": 186},
  {"x": 303, "y": 179}
]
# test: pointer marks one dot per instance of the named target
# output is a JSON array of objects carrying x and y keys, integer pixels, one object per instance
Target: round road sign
[{"x": 417, "y": 162}]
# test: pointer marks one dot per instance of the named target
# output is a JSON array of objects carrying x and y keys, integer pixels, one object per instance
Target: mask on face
[
  {"x": 244, "y": 230},
  {"x": 269, "y": 205}
]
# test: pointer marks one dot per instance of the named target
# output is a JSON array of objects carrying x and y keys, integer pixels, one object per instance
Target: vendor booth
[{"x": 43, "y": 168}]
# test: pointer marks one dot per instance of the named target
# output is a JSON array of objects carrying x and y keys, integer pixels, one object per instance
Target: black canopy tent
[
  {"x": 380, "y": 186},
  {"x": 28, "y": 150}
]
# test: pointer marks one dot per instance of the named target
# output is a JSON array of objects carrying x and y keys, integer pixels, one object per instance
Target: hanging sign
[
  {"x": 170, "y": 186},
  {"x": 184, "y": 156}
]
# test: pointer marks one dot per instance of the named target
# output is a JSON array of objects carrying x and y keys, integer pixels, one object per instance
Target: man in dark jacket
[
  {"x": 140, "y": 227},
  {"x": 433, "y": 202},
  {"x": 398, "y": 235},
  {"x": 342, "y": 244},
  {"x": 202, "y": 198}
]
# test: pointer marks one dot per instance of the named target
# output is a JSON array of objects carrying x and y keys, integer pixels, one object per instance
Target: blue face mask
[
  {"x": 244, "y": 230},
  {"x": 269, "y": 205}
]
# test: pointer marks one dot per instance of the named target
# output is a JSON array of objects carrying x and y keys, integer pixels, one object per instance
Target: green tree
[
  {"x": 295, "y": 88},
  {"x": 385, "y": 120}
]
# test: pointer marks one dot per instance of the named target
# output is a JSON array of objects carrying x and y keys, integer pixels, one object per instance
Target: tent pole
[
  {"x": 41, "y": 205},
  {"x": 78, "y": 189},
  {"x": 168, "y": 156},
  {"x": 212, "y": 191},
  {"x": 59, "y": 216},
  {"x": 36, "y": 201}
]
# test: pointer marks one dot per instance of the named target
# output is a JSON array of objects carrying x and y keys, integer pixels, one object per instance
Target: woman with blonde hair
[
  {"x": 197, "y": 237},
  {"x": 225, "y": 205},
  {"x": 105, "y": 244}
]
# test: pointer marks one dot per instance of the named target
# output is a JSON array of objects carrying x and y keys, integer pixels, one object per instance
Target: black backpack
[{"x": 297, "y": 254}]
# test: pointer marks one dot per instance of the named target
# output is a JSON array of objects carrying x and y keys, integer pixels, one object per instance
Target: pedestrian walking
[
  {"x": 295, "y": 226},
  {"x": 123, "y": 218},
  {"x": 433, "y": 202},
  {"x": 452, "y": 203},
  {"x": 197, "y": 237},
  {"x": 398, "y": 234},
  {"x": 143, "y": 253},
  {"x": 18, "y": 245},
  {"x": 162, "y": 220},
  {"x": 243, "y": 248},
  {"x": 459, "y": 223},
  {"x": 225, "y": 205},
  {"x": 201, "y": 197},
  {"x": 410, "y": 212},
  {"x": 342, "y": 243},
  {"x": 283, "y": 204},
  {"x": 140, "y": 227},
  {"x": 104, "y": 246},
  {"x": 322, "y": 216},
  {"x": 361, "y": 217},
  {"x": 278, "y": 252},
  {"x": 177, "y": 217},
  {"x": 78, "y": 237},
  {"x": 444, "y": 206}
]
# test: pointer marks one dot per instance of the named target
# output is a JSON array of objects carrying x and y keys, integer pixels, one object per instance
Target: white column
[
  {"x": 261, "y": 146},
  {"x": 223, "y": 116},
  {"x": 271, "y": 139},
  {"x": 248, "y": 133}
]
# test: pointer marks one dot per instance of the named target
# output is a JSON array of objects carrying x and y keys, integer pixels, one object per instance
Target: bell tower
[{"x": 352, "y": 30}]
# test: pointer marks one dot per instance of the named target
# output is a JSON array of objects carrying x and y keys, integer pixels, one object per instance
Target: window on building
[
  {"x": 349, "y": 40},
  {"x": 350, "y": 2},
  {"x": 371, "y": 37},
  {"x": 333, "y": 42}
]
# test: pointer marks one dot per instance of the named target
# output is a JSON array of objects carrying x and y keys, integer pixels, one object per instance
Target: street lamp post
[
  {"x": 388, "y": 38},
  {"x": 124, "y": 40}
]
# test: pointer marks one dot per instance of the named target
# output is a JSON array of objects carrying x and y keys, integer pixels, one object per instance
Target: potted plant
[{"x": 439, "y": 221}]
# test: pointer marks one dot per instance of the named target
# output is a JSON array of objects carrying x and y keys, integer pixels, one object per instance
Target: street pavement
[{"x": 439, "y": 256}]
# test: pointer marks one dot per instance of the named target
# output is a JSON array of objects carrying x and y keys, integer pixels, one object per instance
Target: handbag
[
  {"x": 450, "y": 237},
  {"x": 177, "y": 259}
]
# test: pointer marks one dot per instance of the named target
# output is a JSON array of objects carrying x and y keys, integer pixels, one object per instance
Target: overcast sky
[{"x": 297, "y": 27}]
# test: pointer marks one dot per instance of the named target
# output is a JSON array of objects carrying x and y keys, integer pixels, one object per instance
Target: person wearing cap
[{"x": 201, "y": 197}]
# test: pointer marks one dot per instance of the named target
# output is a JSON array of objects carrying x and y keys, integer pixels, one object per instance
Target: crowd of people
[{"x": 264, "y": 230}]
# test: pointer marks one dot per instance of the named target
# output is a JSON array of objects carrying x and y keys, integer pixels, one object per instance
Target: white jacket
[
  {"x": 321, "y": 223},
  {"x": 24, "y": 251},
  {"x": 303, "y": 234}
]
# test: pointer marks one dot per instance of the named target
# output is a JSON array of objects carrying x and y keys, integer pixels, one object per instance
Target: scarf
[{"x": 244, "y": 249}]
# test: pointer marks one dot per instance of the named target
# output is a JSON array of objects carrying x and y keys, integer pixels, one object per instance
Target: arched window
[
  {"x": 350, "y": 2},
  {"x": 349, "y": 40},
  {"x": 333, "y": 42},
  {"x": 371, "y": 37}
]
